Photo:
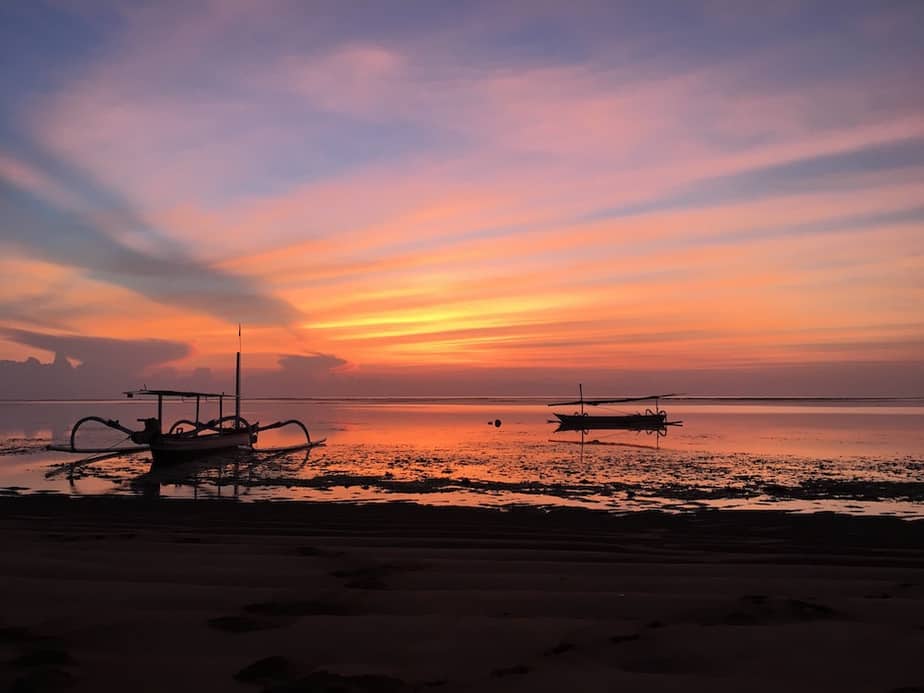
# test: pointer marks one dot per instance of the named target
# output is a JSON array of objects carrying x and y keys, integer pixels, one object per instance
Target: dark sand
[{"x": 119, "y": 594}]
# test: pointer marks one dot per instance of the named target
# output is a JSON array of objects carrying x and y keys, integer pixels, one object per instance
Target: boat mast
[
  {"x": 237, "y": 382},
  {"x": 581, "y": 390}
]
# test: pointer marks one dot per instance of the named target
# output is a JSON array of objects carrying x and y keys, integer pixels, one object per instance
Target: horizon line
[{"x": 537, "y": 398}]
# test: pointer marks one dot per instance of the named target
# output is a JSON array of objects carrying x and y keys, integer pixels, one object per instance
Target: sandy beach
[{"x": 123, "y": 594}]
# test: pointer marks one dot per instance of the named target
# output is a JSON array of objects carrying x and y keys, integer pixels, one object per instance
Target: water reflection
[
  {"x": 218, "y": 476},
  {"x": 584, "y": 438},
  {"x": 446, "y": 453}
]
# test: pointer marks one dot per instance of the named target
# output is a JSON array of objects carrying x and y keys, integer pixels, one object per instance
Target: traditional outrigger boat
[
  {"x": 649, "y": 420},
  {"x": 187, "y": 439}
]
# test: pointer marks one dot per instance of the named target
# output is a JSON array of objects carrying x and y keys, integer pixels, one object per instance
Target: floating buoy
[{"x": 497, "y": 423}]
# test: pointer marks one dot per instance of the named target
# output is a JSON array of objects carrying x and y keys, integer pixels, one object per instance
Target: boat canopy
[
  {"x": 595, "y": 402},
  {"x": 172, "y": 393}
]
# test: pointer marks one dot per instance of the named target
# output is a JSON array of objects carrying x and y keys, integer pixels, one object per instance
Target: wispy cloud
[
  {"x": 101, "y": 352},
  {"x": 120, "y": 247}
]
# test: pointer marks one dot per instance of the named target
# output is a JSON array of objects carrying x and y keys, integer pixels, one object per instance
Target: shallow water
[{"x": 855, "y": 457}]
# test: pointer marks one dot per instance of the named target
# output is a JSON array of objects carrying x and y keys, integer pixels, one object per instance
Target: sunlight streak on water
[{"x": 860, "y": 459}]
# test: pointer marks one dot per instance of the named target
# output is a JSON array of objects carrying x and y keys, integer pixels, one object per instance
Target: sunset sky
[{"x": 456, "y": 198}]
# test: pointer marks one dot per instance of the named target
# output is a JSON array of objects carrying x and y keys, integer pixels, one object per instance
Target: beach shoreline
[{"x": 112, "y": 593}]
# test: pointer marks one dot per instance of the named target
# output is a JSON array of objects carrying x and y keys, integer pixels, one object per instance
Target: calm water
[{"x": 849, "y": 457}]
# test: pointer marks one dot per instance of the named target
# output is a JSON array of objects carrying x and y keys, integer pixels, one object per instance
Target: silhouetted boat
[
  {"x": 639, "y": 422},
  {"x": 187, "y": 439},
  {"x": 649, "y": 420}
]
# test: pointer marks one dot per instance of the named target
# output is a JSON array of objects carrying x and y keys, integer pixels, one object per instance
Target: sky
[{"x": 444, "y": 198}]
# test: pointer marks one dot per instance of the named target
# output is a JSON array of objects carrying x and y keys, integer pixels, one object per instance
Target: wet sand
[{"x": 124, "y": 594}]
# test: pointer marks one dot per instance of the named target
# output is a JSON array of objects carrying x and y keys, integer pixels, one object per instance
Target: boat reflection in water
[
  {"x": 226, "y": 474},
  {"x": 653, "y": 434},
  {"x": 652, "y": 422},
  {"x": 221, "y": 475}
]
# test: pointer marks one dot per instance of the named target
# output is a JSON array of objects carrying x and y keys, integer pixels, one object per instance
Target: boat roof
[
  {"x": 173, "y": 393},
  {"x": 595, "y": 402}
]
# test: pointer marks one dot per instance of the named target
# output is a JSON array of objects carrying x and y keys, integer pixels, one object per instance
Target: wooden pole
[
  {"x": 237, "y": 393},
  {"x": 237, "y": 380}
]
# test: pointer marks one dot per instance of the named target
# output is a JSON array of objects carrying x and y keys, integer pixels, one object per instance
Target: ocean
[{"x": 849, "y": 456}]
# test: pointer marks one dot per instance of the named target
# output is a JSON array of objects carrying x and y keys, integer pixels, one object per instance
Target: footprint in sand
[
  {"x": 329, "y": 681},
  {"x": 560, "y": 648},
  {"x": 42, "y": 658},
  {"x": 316, "y": 551},
  {"x": 266, "y": 671},
  {"x": 372, "y": 577},
  {"x": 276, "y": 614},
  {"x": 15, "y": 634},
  {"x": 41, "y": 669},
  {"x": 279, "y": 675},
  {"x": 619, "y": 639},
  {"x": 516, "y": 670},
  {"x": 240, "y": 624},
  {"x": 760, "y": 609}
]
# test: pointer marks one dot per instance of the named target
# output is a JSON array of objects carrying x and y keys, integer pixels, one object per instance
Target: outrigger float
[
  {"x": 649, "y": 420},
  {"x": 188, "y": 439}
]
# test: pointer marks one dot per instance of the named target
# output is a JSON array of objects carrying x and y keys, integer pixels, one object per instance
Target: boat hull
[
  {"x": 634, "y": 422},
  {"x": 172, "y": 449}
]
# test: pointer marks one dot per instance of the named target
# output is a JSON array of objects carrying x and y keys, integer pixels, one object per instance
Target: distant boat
[{"x": 649, "y": 420}]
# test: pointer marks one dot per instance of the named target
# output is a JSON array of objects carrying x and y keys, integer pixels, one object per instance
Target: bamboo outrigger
[{"x": 188, "y": 439}]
